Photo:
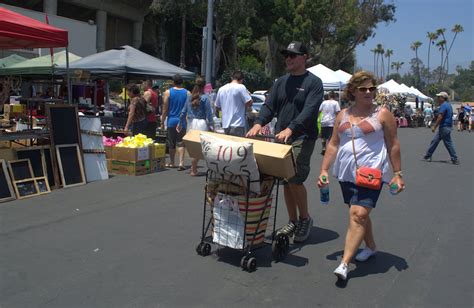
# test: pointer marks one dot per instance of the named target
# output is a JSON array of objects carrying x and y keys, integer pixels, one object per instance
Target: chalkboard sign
[
  {"x": 63, "y": 124},
  {"x": 70, "y": 165},
  {"x": 6, "y": 189},
  {"x": 35, "y": 155},
  {"x": 20, "y": 169},
  {"x": 26, "y": 189},
  {"x": 49, "y": 167}
]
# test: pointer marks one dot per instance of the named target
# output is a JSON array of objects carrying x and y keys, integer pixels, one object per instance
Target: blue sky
[{"x": 414, "y": 19}]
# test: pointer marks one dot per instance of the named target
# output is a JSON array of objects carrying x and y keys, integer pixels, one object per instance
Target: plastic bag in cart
[{"x": 228, "y": 223}]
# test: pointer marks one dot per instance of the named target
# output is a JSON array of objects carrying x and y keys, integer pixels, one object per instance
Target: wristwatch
[{"x": 398, "y": 173}]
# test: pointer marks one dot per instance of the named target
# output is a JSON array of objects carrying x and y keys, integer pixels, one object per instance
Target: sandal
[
  {"x": 181, "y": 168},
  {"x": 170, "y": 165}
]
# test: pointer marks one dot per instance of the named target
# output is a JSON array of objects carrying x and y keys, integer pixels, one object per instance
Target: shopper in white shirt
[
  {"x": 329, "y": 109},
  {"x": 233, "y": 99}
]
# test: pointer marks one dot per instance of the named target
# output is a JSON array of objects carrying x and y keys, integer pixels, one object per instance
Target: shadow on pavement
[
  {"x": 379, "y": 264},
  {"x": 264, "y": 254},
  {"x": 437, "y": 161}
]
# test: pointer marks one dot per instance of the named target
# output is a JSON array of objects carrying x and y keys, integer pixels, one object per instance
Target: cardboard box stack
[{"x": 135, "y": 156}]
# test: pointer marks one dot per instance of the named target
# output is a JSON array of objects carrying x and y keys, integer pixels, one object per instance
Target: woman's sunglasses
[{"x": 364, "y": 89}]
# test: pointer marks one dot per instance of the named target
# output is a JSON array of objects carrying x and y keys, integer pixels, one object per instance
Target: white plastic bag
[{"x": 229, "y": 226}]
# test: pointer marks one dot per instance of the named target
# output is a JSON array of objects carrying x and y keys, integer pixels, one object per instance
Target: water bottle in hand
[
  {"x": 394, "y": 188},
  {"x": 324, "y": 191}
]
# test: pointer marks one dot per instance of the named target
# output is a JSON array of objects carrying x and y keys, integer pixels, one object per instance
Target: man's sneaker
[
  {"x": 303, "y": 229},
  {"x": 365, "y": 254},
  {"x": 455, "y": 162},
  {"x": 288, "y": 229},
  {"x": 341, "y": 271},
  {"x": 427, "y": 158}
]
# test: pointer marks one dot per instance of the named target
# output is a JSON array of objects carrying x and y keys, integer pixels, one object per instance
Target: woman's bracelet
[{"x": 398, "y": 173}]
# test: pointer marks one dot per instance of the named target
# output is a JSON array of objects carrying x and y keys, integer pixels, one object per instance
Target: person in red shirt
[{"x": 151, "y": 97}]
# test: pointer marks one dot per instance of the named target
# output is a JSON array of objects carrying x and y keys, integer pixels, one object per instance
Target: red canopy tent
[{"x": 19, "y": 31}]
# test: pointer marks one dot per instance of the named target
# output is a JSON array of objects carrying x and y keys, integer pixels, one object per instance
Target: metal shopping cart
[{"x": 235, "y": 217}]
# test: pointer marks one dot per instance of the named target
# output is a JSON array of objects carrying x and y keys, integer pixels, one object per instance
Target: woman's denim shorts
[{"x": 356, "y": 195}]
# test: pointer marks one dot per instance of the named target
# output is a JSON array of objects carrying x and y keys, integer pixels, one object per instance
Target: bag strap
[{"x": 353, "y": 144}]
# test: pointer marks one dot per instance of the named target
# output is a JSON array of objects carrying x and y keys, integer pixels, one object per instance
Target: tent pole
[{"x": 69, "y": 88}]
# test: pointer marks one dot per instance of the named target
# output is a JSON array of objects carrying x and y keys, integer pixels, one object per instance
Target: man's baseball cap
[
  {"x": 443, "y": 94},
  {"x": 296, "y": 48}
]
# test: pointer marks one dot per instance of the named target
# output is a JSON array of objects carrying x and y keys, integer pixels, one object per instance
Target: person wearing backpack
[{"x": 136, "y": 121}]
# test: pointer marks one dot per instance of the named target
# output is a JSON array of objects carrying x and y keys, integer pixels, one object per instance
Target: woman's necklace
[{"x": 361, "y": 114}]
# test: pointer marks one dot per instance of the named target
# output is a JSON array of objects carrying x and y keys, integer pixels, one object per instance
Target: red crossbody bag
[{"x": 365, "y": 176}]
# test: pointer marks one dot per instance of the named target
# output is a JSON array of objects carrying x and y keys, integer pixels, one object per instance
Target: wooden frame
[
  {"x": 19, "y": 191},
  {"x": 61, "y": 167},
  {"x": 3, "y": 166},
  {"x": 43, "y": 185},
  {"x": 19, "y": 183},
  {"x": 11, "y": 166},
  {"x": 43, "y": 151}
]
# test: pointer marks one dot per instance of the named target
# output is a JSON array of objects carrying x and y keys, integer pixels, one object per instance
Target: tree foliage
[{"x": 260, "y": 28}]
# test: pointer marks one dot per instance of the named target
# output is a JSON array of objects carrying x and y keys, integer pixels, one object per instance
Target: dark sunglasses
[
  {"x": 364, "y": 89},
  {"x": 291, "y": 55}
]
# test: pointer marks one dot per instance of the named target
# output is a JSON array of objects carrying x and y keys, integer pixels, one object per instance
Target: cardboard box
[
  {"x": 273, "y": 159},
  {"x": 7, "y": 154},
  {"x": 130, "y": 167},
  {"x": 108, "y": 151},
  {"x": 17, "y": 108},
  {"x": 130, "y": 154},
  {"x": 5, "y": 144},
  {"x": 157, "y": 150}
]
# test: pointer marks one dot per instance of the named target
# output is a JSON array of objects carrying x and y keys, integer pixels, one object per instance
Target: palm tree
[
  {"x": 432, "y": 36},
  {"x": 414, "y": 46},
  {"x": 375, "y": 52},
  {"x": 388, "y": 54},
  {"x": 379, "y": 50},
  {"x": 397, "y": 65},
  {"x": 442, "y": 46},
  {"x": 456, "y": 29}
]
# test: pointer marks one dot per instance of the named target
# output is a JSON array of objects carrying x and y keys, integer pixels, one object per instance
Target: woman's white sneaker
[
  {"x": 365, "y": 254},
  {"x": 341, "y": 271}
]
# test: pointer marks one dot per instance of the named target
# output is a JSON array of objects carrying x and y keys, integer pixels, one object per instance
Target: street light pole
[{"x": 209, "y": 25}]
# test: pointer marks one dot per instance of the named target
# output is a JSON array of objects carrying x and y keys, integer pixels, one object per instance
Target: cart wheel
[
  {"x": 251, "y": 264},
  {"x": 199, "y": 248},
  {"x": 280, "y": 247},
  {"x": 206, "y": 249},
  {"x": 243, "y": 262}
]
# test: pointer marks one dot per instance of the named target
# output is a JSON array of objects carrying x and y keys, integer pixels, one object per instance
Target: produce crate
[
  {"x": 157, "y": 150},
  {"x": 130, "y": 154},
  {"x": 108, "y": 151},
  {"x": 130, "y": 167}
]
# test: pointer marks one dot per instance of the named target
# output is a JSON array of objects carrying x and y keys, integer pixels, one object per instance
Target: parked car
[
  {"x": 257, "y": 102},
  {"x": 262, "y": 94}
]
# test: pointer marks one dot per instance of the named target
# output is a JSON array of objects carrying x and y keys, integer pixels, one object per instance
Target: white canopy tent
[
  {"x": 419, "y": 94},
  {"x": 329, "y": 78},
  {"x": 393, "y": 87},
  {"x": 343, "y": 76},
  {"x": 406, "y": 89}
]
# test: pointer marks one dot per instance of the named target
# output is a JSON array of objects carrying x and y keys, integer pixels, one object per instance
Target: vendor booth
[{"x": 52, "y": 155}]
